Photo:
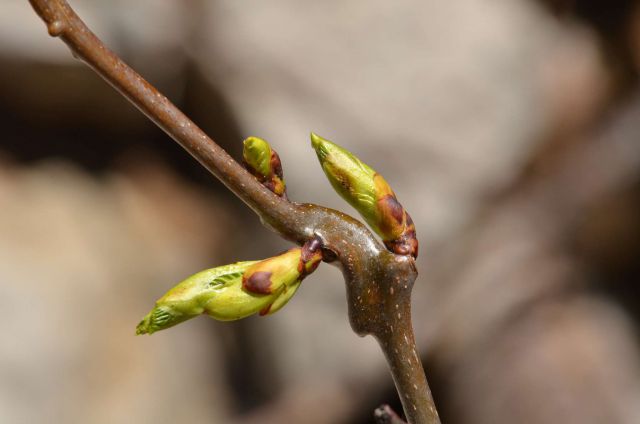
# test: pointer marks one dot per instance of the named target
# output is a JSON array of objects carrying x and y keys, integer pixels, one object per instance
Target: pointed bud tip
[
  {"x": 143, "y": 326},
  {"x": 317, "y": 141},
  {"x": 257, "y": 154},
  {"x": 320, "y": 145},
  {"x": 253, "y": 141},
  {"x": 158, "y": 319}
]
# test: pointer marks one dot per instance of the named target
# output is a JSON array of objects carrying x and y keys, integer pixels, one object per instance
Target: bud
[
  {"x": 282, "y": 274},
  {"x": 264, "y": 163},
  {"x": 191, "y": 297},
  {"x": 234, "y": 291},
  {"x": 369, "y": 193}
]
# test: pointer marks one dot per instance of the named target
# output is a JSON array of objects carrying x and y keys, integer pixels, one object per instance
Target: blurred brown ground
[{"x": 509, "y": 129}]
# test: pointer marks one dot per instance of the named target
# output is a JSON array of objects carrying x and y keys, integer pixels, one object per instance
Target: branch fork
[{"x": 378, "y": 281}]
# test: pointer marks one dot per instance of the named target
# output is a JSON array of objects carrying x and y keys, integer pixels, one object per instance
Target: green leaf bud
[
  {"x": 256, "y": 153},
  {"x": 234, "y": 291},
  {"x": 283, "y": 299},
  {"x": 368, "y": 193},
  {"x": 268, "y": 276},
  {"x": 282, "y": 274},
  {"x": 264, "y": 163},
  {"x": 309, "y": 259},
  {"x": 191, "y": 297}
]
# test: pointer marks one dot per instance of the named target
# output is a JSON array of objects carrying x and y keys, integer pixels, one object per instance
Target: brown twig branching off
[
  {"x": 378, "y": 281},
  {"x": 386, "y": 415}
]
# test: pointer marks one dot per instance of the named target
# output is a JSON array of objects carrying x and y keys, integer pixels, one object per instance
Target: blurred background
[{"x": 509, "y": 129}]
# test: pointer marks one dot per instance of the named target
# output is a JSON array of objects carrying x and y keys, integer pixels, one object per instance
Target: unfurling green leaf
[
  {"x": 369, "y": 193},
  {"x": 233, "y": 291},
  {"x": 264, "y": 163},
  {"x": 191, "y": 297}
]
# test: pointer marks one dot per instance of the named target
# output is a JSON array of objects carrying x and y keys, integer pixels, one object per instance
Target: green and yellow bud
[
  {"x": 282, "y": 274},
  {"x": 369, "y": 193},
  {"x": 283, "y": 299},
  {"x": 264, "y": 163},
  {"x": 234, "y": 291},
  {"x": 270, "y": 275}
]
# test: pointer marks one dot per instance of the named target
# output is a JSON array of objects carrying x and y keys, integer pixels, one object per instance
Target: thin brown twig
[
  {"x": 386, "y": 415},
  {"x": 63, "y": 22},
  {"x": 378, "y": 282}
]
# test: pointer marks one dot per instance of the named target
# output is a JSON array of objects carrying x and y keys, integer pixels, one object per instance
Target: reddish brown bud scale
[
  {"x": 392, "y": 212},
  {"x": 276, "y": 164},
  {"x": 265, "y": 310},
  {"x": 407, "y": 242},
  {"x": 310, "y": 257},
  {"x": 258, "y": 282},
  {"x": 276, "y": 180}
]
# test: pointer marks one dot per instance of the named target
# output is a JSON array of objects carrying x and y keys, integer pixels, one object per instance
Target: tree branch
[
  {"x": 378, "y": 282},
  {"x": 63, "y": 22}
]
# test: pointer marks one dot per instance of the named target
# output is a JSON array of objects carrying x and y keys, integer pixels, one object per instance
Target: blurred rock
[
  {"x": 81, "y": 261},
  {"x": 572, "y": 361}
]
